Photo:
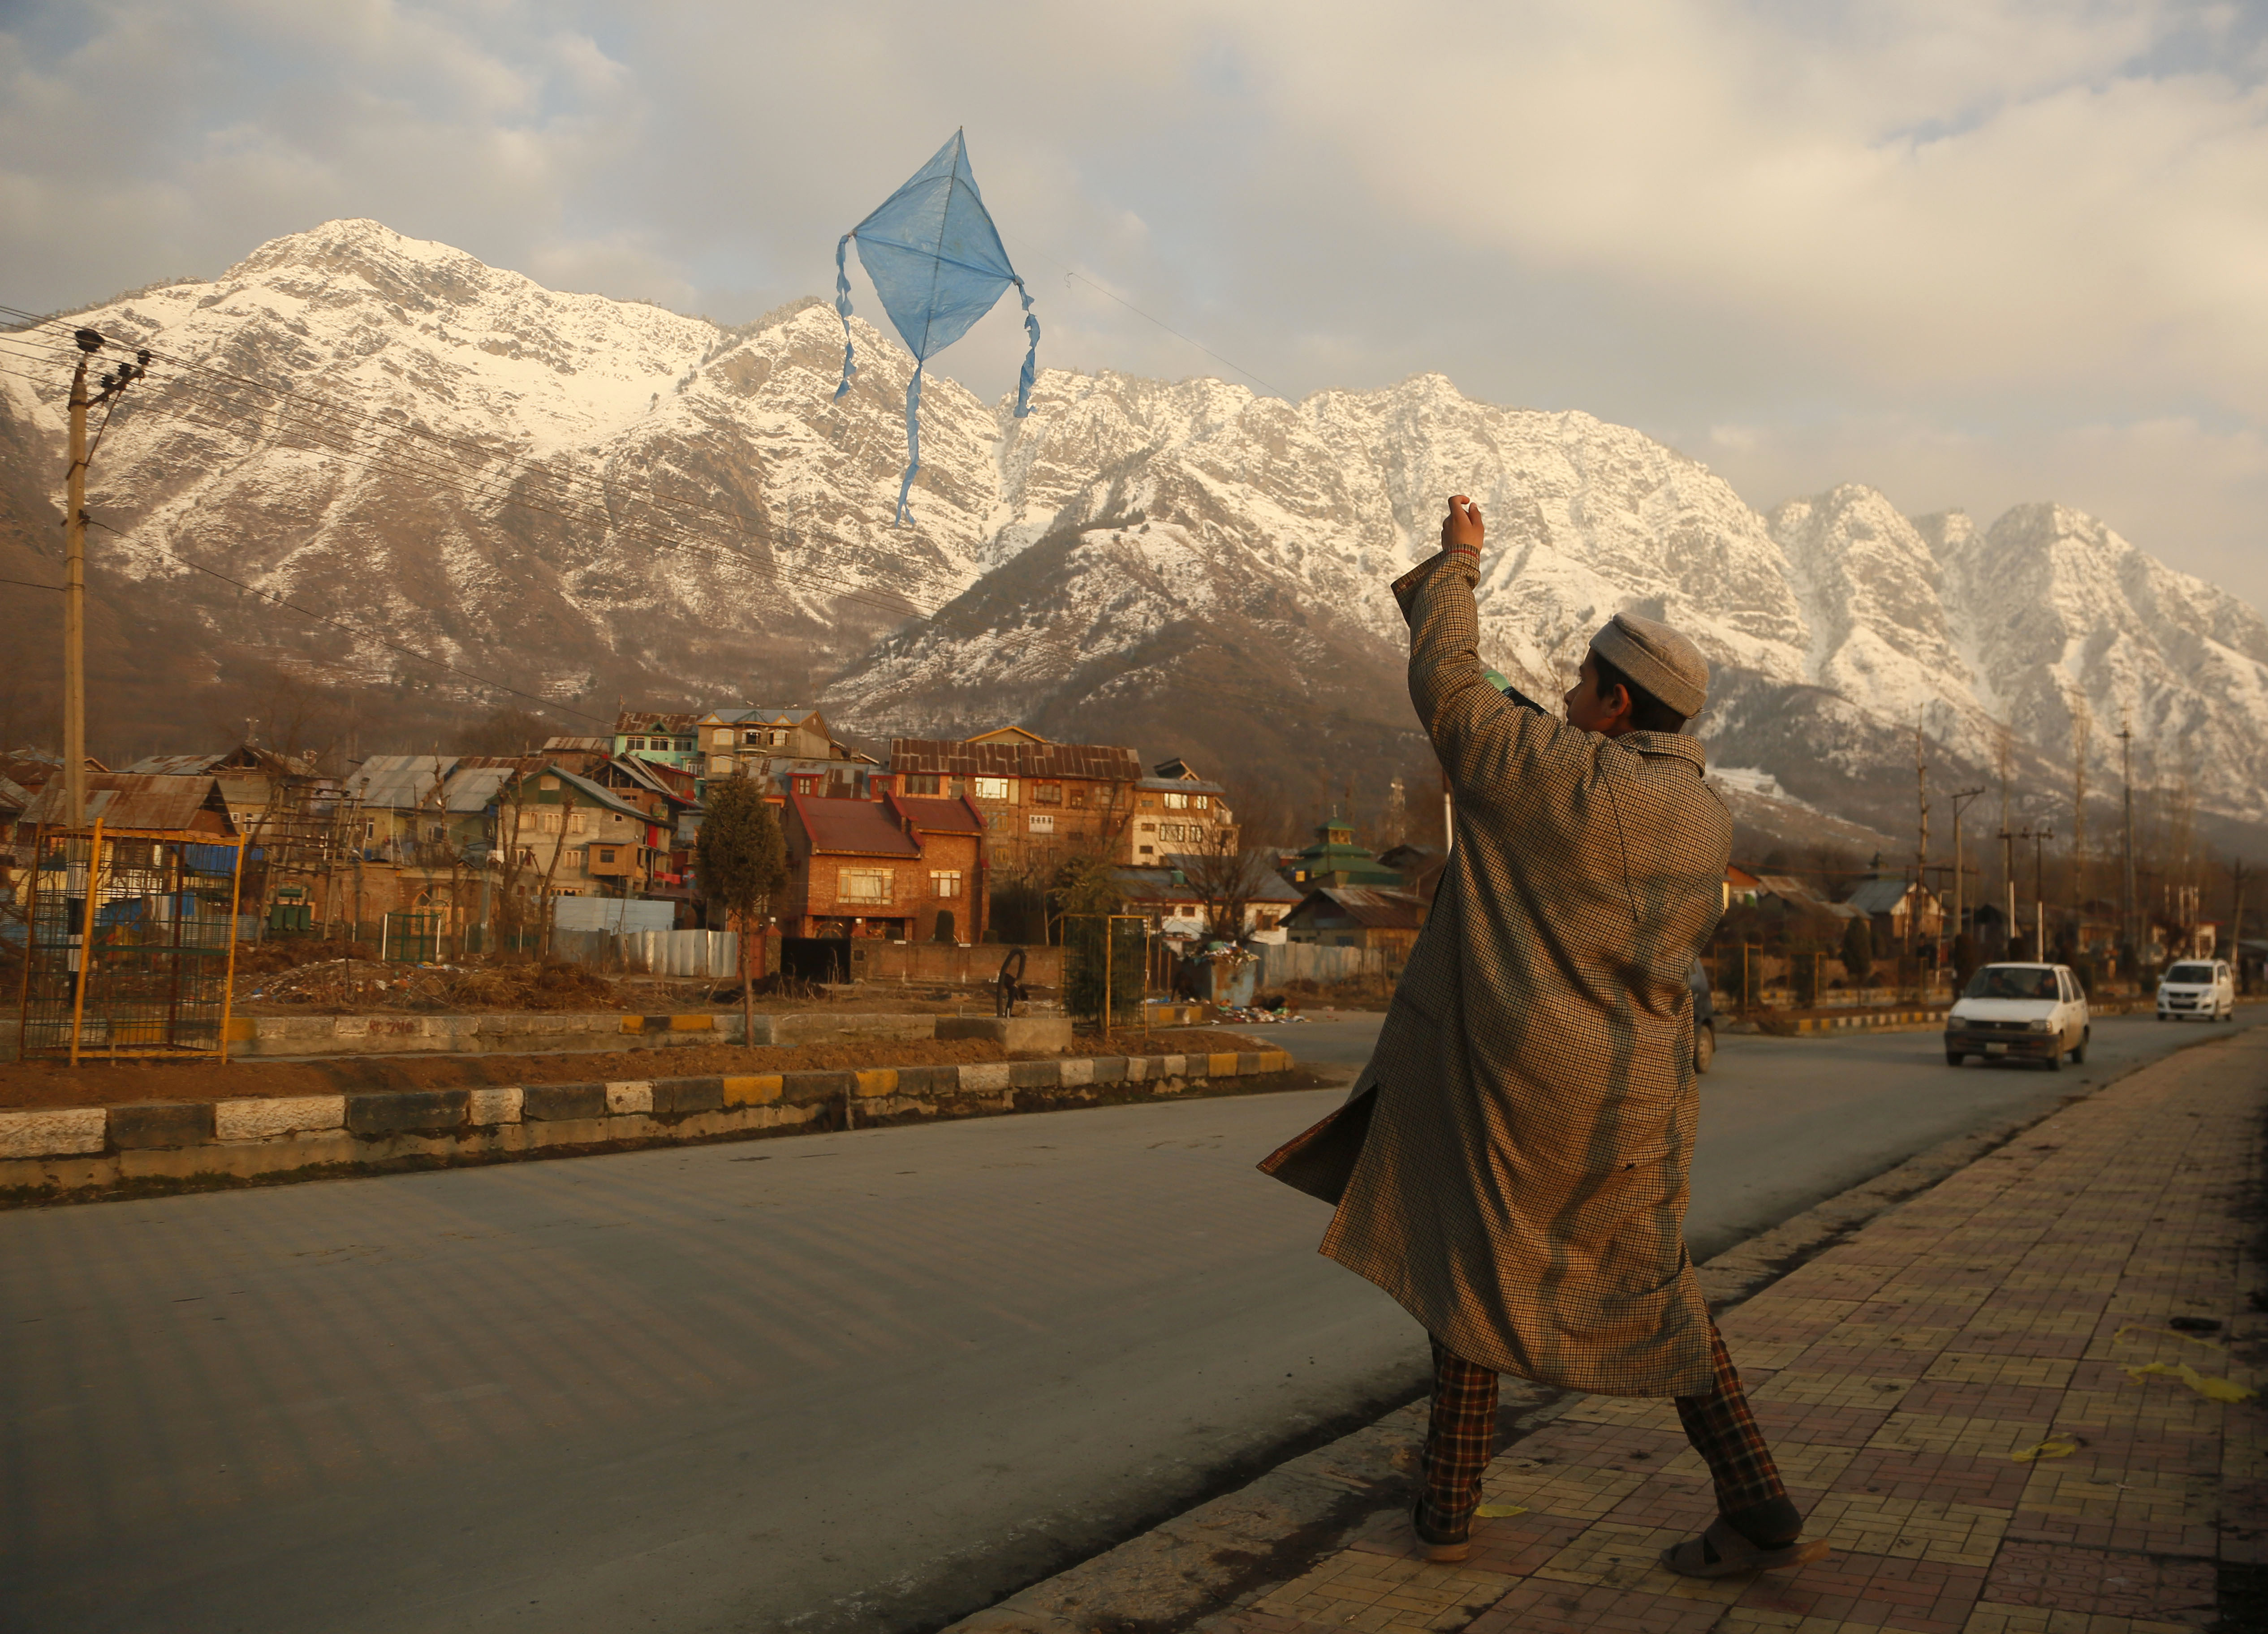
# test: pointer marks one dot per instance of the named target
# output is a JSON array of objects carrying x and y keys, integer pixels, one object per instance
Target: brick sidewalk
[{"x": 1897, "y": 1375}]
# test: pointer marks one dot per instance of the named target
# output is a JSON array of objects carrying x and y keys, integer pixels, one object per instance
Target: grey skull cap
[{"x": 1657, "y": 658}]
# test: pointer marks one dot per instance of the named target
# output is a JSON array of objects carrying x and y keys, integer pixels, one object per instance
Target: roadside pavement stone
[{"x": 1906, "y": 1379}]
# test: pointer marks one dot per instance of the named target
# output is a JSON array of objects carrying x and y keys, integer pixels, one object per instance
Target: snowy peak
[{"x": 636, "y": 502}]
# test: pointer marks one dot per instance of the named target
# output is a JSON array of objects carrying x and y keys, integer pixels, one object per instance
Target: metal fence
[{"x": 130, "y": 944}]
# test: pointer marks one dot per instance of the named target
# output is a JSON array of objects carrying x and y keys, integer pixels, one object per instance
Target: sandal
[
  {"x": 1734, "y": 1553},
  {"x": 1445, "y": 1554}
]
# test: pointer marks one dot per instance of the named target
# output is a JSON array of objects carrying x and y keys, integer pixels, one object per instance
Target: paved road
[{"x": 848, "y": 1381}]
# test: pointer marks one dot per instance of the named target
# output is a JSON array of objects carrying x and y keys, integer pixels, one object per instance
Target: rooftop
[
  {"x": 855, "y": 828},
  {"x": 1019, "y": 757},
  {"x": 120, "y": 800},
  {"x": 1372, "y": 909},
  {"x": 939, "y": 816}
]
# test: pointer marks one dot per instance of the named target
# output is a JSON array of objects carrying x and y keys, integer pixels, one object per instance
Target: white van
[
  {"x": 2204, "y": 988},
  {"x": 2034, "y": 1012}
]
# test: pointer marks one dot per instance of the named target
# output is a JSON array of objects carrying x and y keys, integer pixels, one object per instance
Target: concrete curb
[
  {"x": 518, "y": 1032},
  {"x": 86, "y": 1153}
]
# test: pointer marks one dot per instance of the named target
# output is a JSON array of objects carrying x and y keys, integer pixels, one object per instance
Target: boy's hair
[{"x": 1648, "y": 713}]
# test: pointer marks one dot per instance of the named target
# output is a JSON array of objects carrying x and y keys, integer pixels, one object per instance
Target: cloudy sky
[{"x": 1971, "y": 252}]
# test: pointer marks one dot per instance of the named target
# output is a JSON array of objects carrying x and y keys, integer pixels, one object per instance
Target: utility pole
[
  {"x": 2039, "y": 837},
  {"x": 2237, "y": 875},
  {"x": 1959, "y": 888},
  {"x": 2008, "y": 838},
  {"x": 75, "y": 593},
  {"x": 75, "y": 565},
  {"x": 1921, "y": 849},
  {"x": 2126, "y": 899}
]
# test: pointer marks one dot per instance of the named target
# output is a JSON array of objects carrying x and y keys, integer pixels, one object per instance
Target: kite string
[{"x": 1160, "y": 322}]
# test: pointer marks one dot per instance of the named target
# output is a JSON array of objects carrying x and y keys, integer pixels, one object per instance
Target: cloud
[{"x": 1967, "y": 250}]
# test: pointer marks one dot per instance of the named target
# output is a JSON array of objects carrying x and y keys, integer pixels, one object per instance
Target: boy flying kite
[{"x": 1512, "y": 1166}]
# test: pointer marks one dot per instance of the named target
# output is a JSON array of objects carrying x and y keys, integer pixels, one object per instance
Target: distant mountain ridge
[{"x": 1181, "y": 565}]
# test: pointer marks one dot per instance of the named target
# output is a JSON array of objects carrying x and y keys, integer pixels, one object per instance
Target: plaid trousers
[{"x": 1462, "y": 1434}]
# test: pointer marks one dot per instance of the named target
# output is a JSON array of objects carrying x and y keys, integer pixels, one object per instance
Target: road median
[{"x": 142, "y": 1148}]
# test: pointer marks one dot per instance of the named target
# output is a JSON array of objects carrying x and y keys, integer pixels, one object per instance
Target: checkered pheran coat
[{"x": 1521, "y": 1189}]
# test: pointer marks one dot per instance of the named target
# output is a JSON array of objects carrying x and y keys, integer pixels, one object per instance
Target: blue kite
[{"x": 936, "y": 260}]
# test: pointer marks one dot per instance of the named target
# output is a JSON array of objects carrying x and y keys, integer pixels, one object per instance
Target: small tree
[
  {"x": 740, "y": 859},
  {"x": 1858, "y": 951}
]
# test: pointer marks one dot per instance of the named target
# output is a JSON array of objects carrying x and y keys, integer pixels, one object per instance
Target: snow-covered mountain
[{"x": 587, "y": 496}]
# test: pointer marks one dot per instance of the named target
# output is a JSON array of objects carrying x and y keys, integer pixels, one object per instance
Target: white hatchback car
[
  {"x": 2035, "y": 1012},
  {"x": 2197, "y": 986}
]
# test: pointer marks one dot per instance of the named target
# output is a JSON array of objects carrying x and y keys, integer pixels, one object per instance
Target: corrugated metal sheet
[
  {"x": 643, "y": 721},
  {"x": 1372, "y": 909},
  {"x": 939, "y": 816},
  {"x": 399, "y": 782},
  {"x": 139, "y": 800},
  {"x": 855, "y": 828},
  {"x": 951, "y": 758}
]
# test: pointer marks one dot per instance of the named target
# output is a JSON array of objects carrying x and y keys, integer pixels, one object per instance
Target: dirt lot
[
  {"x": 107, "y": 1084},
  {"x": 334, "y": 979}
]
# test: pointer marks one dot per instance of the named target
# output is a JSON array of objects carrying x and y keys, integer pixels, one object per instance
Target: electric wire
[
  {"x": 360, "y": 447},
  {"x": 365, "y": 423},
  {"x": 392, "y": 646}
]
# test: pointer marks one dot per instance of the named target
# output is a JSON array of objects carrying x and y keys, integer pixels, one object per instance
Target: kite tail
[
  {"x": 842, "y": 305},
  {"x": 913, "y": 441},
  {"x": 1031, "y": 357}
]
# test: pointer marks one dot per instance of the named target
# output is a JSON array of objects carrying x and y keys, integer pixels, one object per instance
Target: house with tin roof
[
  {"x": 1356, "y": 915},
  {"x": 902, "y": 868}
]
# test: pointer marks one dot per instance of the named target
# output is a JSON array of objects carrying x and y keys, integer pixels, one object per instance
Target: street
[{"x": 851, "y": 1381}]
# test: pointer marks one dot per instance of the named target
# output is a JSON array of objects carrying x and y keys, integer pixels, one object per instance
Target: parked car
[
  {"x": 1704, "y": 1017},
  {"x": 2033, "y": 1012},
  {"x": 2197, "y": 987}
]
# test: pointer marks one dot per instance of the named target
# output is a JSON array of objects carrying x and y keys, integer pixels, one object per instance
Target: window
[
  {"x": 527, "y": 857},
  {"x": 637, "y": 743},
  {"x": 1149, "y": 828},
  {"x": 945, "y": 883},
  {"x": 1047, "y": 794},
  {"x": 806, "y": 783},
  {"x": 547, "y": 782},
  {"x": 1176, "y": 802},
  {"x": 574, "y": 822},
  {"x": 606, "y": 854},
  {"x": 722, "y": 737},
  {"x": 1078, "y": 794},
  {"x": 1043, "y": 822},
  {"x": 991, "y": 788},
  {"x": 862, "y": 885},
  {"x": 1149, "y": 850},
  {"x": 755, "y": 736},
  {"x": 1198, "y": 800},
  {"x": 920, "y": 782}
]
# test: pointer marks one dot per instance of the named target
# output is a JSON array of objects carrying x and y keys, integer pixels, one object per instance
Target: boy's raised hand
[{"x": 1462, "y": 528}]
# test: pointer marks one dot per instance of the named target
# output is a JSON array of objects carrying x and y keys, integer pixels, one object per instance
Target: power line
[
  {"x": 408, "y": 652},
  {"x": 307, "y": 403},
  {"x": 350, "y": 432}
]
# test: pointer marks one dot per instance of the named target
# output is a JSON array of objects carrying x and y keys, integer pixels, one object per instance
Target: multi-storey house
[
  {"x": 1041, "y": 802},
  {"x": 900, "y": 869}
]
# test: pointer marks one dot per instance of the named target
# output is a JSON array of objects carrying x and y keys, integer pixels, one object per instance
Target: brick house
[
  {"x": 1041, "y": 802},
  {"x": 886, "y": 868}
]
